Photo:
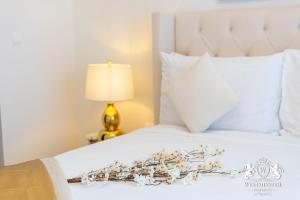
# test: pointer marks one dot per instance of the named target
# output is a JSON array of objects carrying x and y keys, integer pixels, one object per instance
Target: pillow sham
[
  {"x": 290, "y": 104},
  {"x": 256, "y": 80},
  {"x": 172, "y": 65},
  {"x": 201, "y": 95}
]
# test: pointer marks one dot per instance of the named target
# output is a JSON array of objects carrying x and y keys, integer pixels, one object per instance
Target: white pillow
[
  {"x": 256, "y": 80},
  {"x": 172, "y": 65},
  {"x": 290, "y": 104},
  {"x": 200, "y": 95}
]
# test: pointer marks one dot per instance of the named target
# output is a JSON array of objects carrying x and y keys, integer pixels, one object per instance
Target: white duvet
[{"x": 241, "y": 149}]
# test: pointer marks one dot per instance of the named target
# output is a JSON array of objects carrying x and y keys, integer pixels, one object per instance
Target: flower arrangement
[{"x": 161, "y": 167}]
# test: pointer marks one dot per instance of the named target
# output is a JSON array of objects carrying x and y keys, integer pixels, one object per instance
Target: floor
[{"x": 1, "y": 145}]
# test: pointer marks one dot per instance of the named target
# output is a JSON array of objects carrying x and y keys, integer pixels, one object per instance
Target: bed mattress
[{"x": 241, "y": 148}]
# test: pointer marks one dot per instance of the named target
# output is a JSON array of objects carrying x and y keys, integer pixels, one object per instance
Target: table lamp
[{"x": 109, "y": 82}]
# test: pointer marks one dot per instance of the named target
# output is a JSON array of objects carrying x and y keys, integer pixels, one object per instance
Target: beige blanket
[{"x": 33, "y": 180}]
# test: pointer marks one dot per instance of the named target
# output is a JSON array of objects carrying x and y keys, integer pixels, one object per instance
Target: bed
[
  {"x": 225, "y": 33},
  {"x": 241, "y": 148}
]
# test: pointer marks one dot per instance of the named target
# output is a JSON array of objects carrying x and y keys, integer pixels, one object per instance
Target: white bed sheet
[{"x": 241, "y": 149}]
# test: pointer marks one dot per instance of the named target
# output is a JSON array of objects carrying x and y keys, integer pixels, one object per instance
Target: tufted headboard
[{"x": 235, "y": 32}]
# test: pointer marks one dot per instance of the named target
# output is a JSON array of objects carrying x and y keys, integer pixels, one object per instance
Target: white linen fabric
[
  {"x": 290, "y": 103},
  {"x": 256, "y": 80},
  {"x": 240, "y": 149},
  {"x": 201, "y": 95},
  {"x": 57, "y": 176}
]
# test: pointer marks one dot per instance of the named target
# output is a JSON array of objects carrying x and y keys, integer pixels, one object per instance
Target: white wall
[{"x": 38, "y": 79}]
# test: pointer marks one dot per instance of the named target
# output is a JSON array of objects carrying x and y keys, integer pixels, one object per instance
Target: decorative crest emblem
[{"x": 263, "y": 169}]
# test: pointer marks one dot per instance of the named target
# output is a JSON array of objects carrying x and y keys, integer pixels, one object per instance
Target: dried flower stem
[{"x": 160, "y": 168}]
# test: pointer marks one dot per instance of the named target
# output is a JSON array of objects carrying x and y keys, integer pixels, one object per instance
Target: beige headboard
[{"x": 236, "y": 32}]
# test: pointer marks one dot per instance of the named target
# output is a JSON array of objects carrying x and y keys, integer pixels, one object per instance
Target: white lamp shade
[{"x": 109, "y": 82}]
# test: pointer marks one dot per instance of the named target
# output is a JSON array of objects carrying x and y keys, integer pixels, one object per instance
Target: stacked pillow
[
  {"x": 290, "y": 101},
  {"x": 221, "y": 93}
]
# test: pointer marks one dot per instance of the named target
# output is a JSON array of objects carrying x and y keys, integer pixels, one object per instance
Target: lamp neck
[{"x": 110, "y": 103}]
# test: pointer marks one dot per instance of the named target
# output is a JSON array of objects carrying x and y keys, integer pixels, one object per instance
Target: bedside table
[{"x": 94, "y": 137}]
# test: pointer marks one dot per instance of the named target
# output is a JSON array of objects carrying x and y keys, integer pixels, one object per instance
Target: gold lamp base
[
  {"x": 111, "y": 120},
  {"x": 104, "y": 135}
]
